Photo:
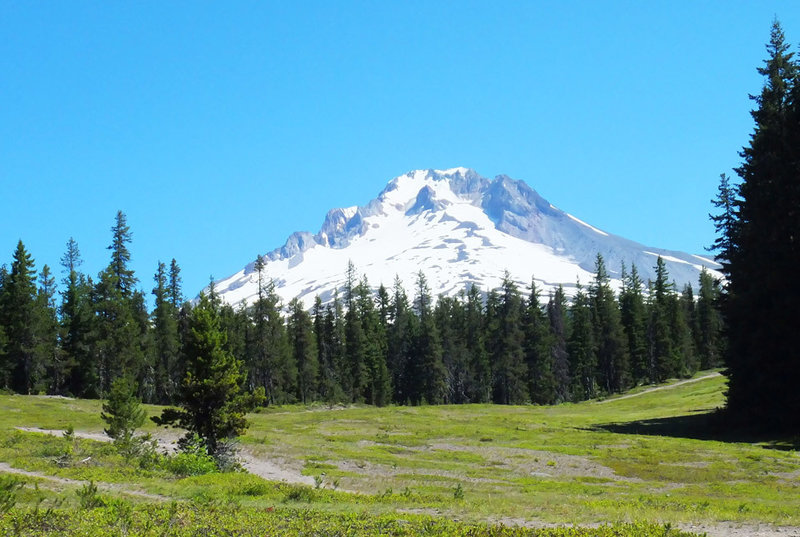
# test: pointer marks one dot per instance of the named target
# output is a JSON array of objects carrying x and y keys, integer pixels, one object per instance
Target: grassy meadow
[{"x": 646, "y": 458}]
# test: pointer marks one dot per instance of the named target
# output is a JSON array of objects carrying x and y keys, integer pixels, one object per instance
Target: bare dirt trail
[
  {"x": 268, "y": 469},
  {"x": 658, "y": 388},
  {"x": 110, "y": 487}
]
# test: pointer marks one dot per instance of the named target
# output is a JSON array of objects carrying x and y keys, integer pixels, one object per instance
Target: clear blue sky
[{"x": 220, "y": 128}]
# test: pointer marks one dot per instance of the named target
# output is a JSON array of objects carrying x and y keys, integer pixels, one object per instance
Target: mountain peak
[{"x": 460, "y": 229}]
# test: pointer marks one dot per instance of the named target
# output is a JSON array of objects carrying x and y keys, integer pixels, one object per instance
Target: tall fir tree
[
  {"x": 426, "y": 362},
  {"x": 557, "y": 316},
  {"x": 474, "y": 334},
  {"x": 538, "y": 351},
  {"x": 20, "y": 368},
  {"x": 609, "y": 338},
  {"x": 269, "y": 361},
  {"x": 77, "y": 325},
  {"x": 581, "y": 348},
  {"x": 664, "y": 360},
  {"x": 120, "y": 316},
  {"x": 304, "y": 350},
  {"x": 449, "y": 316},
  {"x": 48, "y": 351},
  {"x": 709, "y": 339},
  {"x": 166, "y": 342},
  {"x": 633, "y": 319},
  {"x": 400, "y": 341},
  {"x": 760, "y": 250},
  {"x": 509, "y": 371}
]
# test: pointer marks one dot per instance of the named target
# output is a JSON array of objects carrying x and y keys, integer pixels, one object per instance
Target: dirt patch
[
  {"x": 98, "y": 437},
  {"x": 274, "y": 469},
  {"x": 540, "y": 463}
]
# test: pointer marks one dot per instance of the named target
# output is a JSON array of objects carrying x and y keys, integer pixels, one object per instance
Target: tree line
[{"x": 503, "y": 346}]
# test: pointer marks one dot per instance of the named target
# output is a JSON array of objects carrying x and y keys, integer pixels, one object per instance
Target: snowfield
[{"x": 460, "y": 229}]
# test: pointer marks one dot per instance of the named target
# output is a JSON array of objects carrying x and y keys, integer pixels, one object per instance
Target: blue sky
[{"x": 220, "y": 128}]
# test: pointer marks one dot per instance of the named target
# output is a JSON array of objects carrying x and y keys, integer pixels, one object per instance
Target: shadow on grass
[{"x": 701, "y": 426}]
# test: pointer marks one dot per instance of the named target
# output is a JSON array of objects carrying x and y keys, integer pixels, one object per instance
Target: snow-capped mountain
[{"x": 460, "y": 229}]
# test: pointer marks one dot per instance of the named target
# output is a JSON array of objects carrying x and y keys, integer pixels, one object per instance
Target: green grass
[{"x": 649, "y": 458}]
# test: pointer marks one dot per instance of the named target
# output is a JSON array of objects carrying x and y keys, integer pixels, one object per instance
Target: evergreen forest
[{"x": 505, "y": 345}]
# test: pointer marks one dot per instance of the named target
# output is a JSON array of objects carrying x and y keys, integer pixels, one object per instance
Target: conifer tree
[
  {"x": 557, "y": 316},
  {"x": 632, "y": 316},
  {"x": 609, "y": 338},
  {"x": 212, "y": 401},
  {"x": 21, "y": 371},
  {"x": 449, "y": 316},
  {"x": 426, "y": 363},
  {"x": 474, "y": 334},
  {"x": 400, "y": 341},
  {"x": 304, "y": 350},
  {"x": 270, "y": 363},
  {"x": 166, "y": 343},
  {"x": 759, "y": 248},
  {"x": 581, "y": 348},
  {"x": 329, "y": 389},
  {"x": 377, "y": 387},
  {"x": 664, "y": 358},
  {"x": 54, "y": 369},
  {"x": 509, "y": 371},
  {"x": 709, "y": 322},
  {"x": 175, "y": 286},
  {"x": 123, "y": 413},
  {"x": 120, "y": 315},
  {"x": 77, "y": 325},
  {"x": 683, "y": 325},
  {"x": 538, "y": 355}
]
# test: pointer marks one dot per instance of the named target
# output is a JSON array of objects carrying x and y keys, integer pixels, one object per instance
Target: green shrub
[
  {"x": 298, "y": 493},
  {"x": 193, "y": 459},
  {"x": 9, "y": 486}
]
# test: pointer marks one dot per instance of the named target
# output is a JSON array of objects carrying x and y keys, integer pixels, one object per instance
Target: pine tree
[
  {"x": 557, "y": 316},
  {"x": 123, "y": 276},
  {"x": 609, "y": 338},
  {"x": 123, "y": 413},
  {"x": 449, "y": 317},
  {"x": 581, "y": 348},
  {"x": 304, "y": 349},
  {"x": 121, "y": 319},
  {"x": 664, "y": 360},
  {"x": 20, "y": 369},
  {"x": 329, "y": 388},
  {"x": 683, "y": 326},
  {"x": 426, "y": 363},
  {"x": 377, "y": 387},
  {"x": 166, "y": 343},
  {"x": 509, "y": 370},
  {"x": 212, "y": 400},
  {"x": 474, "y": 334},
  {"x": 538, "y": 355},
  {"x": 175, "y": 286},
  {"x": 270, "y": 364},
  {"x": 77, "y": 325},
  {"x": 54, "y": 369},
  {"x": 632, "y": 316},
  {"x": 399, "y": 343},
  {"x": 709, "y": 340},
  {"x": 760, "y": 251}
]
